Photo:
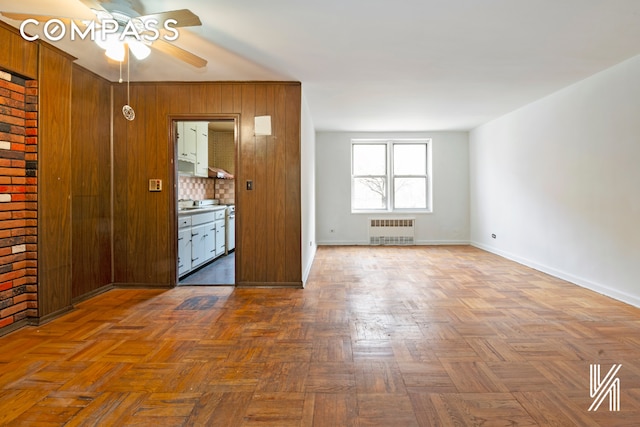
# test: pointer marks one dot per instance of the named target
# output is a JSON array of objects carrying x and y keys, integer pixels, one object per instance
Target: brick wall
[{"x": 18, "y": 199}]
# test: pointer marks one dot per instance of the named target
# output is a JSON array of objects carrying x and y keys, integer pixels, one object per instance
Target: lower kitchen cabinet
[
  {"x": 201, "y": 238},
  {"x": 184, "y": 251},
  {"x": 199, "y": 245},
  {"x": 220, "y": 238}
]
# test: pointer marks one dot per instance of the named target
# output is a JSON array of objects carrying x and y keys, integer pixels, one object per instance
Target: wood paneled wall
[
  {"x": 268, "y": 223},
  {"x": 16, "y": 54},
  {"x": 54, "y": 182},
  {"x": 90, "y": 183},
  {"x": 75, "y": 189}
]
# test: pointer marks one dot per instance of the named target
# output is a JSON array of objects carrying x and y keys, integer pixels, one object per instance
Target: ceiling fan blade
[
  {"x": 185, "y": 17},
  {"x": 92, "y": 4},
  {"x": 179, "y": 53},
  {"x": 42, "y": 18}
]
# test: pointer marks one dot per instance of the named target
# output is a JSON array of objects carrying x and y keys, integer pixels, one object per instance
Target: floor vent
[{"x": 392, "y": 231}]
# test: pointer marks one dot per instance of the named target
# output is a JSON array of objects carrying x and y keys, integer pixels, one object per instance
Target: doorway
[{"x": 205, "y": 199}]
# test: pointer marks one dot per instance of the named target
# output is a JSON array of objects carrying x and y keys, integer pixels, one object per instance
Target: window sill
[{"x": 396, "y": 212}]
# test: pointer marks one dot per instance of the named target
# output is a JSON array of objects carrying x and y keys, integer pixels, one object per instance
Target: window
[{"x": 390, "y": 175}]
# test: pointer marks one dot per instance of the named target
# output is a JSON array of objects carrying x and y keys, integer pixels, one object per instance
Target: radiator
[{"x": 398, "y": 231}]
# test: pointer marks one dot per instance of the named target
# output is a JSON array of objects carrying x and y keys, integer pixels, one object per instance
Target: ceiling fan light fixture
[
  {"x": 139, "y": 49},
  {"x": 116, "y": 52}
]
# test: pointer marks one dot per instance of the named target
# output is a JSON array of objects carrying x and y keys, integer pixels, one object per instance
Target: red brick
[
  {"x": 6, "y": 285},
  {"x": 17, "y": 96},
  {"x": 19, "y": 281},
  {"x": 22, "y": 214},
  {"x": 12, "y": 188},
  {"x": 12, "y": 103},
  {"x": 31, "y": 123},
  {"x": 31, "y": 115},
  {"x": 31, "y": 91},
  {"x": 5, "y": 215},
  {"x": 16, "y": 223},
  {"x": 17, "y": 147},
  {"x": 32, "y": 132},
  {"x": 11, "y": 171},
  {"x": 31, "y": 83},
  {"x": 18, "y": 163},
  {"x": 17, "y": 121},
  {"x": 6, "y": 322},
  {"x": 12, "y": 206},
  {"x": 4, "y": 136},
  {"x": 12, "y": 275},
  {"x": 19, "y": 112},
  {"x": 13, "y": 309},
  {"x": 19, "y": 265},
  {"x": 12, "y": 86}
]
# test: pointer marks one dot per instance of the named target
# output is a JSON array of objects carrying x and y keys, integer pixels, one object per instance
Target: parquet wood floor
[{"x": 419, "y": 336}]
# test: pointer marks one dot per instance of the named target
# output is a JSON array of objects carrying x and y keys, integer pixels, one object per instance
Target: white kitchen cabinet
[
  {"x": 201, "y": 238},
  {"x": 198, "y": 245},
  {"x": 202, "y": 149},
  {"x": 186, "y": 133},
  {"x": 210, "y": 243},
  {"x": 184, "y": 251},
  {"x": 220, "y": 237}
]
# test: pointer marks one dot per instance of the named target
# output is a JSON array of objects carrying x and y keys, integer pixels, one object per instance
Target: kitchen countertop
[{"x": 193, "y": 211}]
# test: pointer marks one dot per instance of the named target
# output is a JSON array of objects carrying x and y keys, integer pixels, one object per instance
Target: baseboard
[
  {"x": 293, "y": 285},
  {"x": 580, "y": 281},
  {"x": 49, "y": 317},
  {"x": 142, "y": 285},
  {"x": 417, "y": 243},
  {"x": 307, "y": 269},
  {"x": 92, "y": 294},
  {"x": 15, "y": 326}
]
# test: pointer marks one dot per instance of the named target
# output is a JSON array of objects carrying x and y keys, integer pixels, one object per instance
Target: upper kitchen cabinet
[
  {"x": 186, "y": 133},
  {"x": 202, "y": 149}
]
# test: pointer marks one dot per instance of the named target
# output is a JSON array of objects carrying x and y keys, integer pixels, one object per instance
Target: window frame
[{"x": 390, "y": 175}]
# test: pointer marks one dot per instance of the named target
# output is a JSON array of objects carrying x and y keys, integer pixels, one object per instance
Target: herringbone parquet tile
[{"x": 381, "y": 336}]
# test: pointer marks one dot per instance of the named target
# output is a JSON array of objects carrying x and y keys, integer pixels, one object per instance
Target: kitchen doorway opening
[{"x": 205, "y": 199}]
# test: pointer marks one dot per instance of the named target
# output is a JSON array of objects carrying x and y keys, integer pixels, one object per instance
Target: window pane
[
  {"x": 369, "y": 159},
  {"x": 410, "y": 193},
  {"x": 410, "y": 159},
  {"x": 369, "y": 193}
]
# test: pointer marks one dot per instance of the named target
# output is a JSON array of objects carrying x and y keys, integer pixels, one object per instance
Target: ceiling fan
[{"x": 115, "y": 30}]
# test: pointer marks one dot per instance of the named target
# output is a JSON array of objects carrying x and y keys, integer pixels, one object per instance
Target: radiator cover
[{"x": 392, "y": 231}]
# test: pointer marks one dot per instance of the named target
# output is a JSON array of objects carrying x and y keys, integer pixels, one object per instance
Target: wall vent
[{"x": 399, "y": 231}]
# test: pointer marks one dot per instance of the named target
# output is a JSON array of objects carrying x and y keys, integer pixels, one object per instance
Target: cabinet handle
[
  {"x": 194, "y": 259},
  {"x": 194, "y": 234},
  {"x": 180, "y": 238}
]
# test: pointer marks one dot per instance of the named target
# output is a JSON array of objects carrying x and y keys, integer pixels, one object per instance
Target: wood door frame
[{"x": 173, "y": 178}]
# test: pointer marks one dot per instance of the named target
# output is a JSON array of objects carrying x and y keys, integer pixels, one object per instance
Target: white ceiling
[{"x": 384, "y": 65}]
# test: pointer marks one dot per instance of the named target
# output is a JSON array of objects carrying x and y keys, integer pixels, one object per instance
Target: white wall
[
  {"x": 449, "y": 222},
  {"x": 558, "y": 182},
  {"x": 308, "y": 189}
]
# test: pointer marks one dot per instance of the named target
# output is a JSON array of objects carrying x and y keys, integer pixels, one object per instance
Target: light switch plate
[{"x": 155, "y": 184}]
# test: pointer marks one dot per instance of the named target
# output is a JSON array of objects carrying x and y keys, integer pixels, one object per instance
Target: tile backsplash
[
  {"x": 196, "y": 188},
  {"x": 226, "y": 191}
]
